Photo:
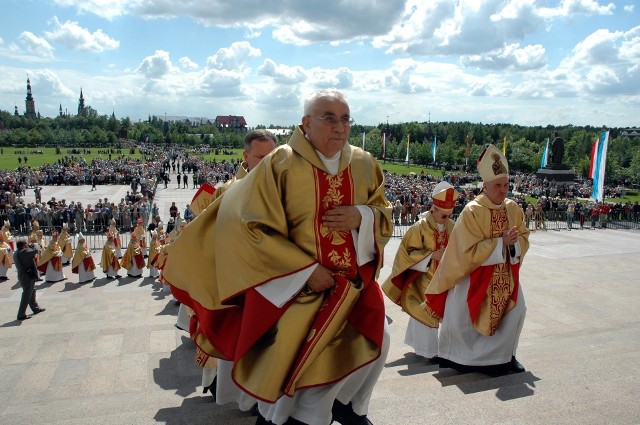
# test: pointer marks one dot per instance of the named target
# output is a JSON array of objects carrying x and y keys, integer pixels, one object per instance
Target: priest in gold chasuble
[
  {"x": 416, "y": 260},
  {"x": 284, "y": 285},
  {"x": 485, "y": 307}
]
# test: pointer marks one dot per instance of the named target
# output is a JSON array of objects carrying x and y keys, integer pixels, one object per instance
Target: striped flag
[
  {"x": 597, "y": 192},
  {"x": 384, "y": 151},
  {"x": 594, "y": 151},
  {"x": 545, "y": 154},
  {"x": 407, "y": 158},
  {"x": 433, "y": 149},
  {"x": 363, "y": 134}
]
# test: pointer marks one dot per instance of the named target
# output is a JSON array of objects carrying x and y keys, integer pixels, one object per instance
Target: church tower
[
  {"x": 81, "y": 103},
  {"x": 30, "y": 103}
]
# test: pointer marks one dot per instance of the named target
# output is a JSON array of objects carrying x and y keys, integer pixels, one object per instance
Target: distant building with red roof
[{"x": 231, "y": 122}]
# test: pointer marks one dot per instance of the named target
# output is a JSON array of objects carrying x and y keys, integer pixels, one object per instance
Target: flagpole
[
  {"x": 466, "y": 158},
  {"x": 407, "y": 158}
]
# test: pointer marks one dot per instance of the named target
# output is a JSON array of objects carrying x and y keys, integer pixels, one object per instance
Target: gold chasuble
[
  {"x": 64, "y": 242},
  {"x": 268, "y": 226},
  {"x": 133, "y": 255},
  {"x": 405, "y": 286},
  {"x": 493, "y": 289},
  {"x": 83, "y": 256},
  {"x": 109, "y": 258},
  {"x": 51, "y": 253}
]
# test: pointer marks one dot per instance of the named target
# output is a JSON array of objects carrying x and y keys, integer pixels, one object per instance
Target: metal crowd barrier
[{"x": 557, "y": 220}]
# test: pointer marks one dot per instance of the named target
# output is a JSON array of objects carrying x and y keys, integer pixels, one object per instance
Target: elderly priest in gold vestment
[
  {"x": 485, "y": 308},
  {"x": 281, "y": 274}
]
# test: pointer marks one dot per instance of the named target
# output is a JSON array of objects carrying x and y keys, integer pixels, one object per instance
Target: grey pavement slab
[{"x": 107, "y": 352}]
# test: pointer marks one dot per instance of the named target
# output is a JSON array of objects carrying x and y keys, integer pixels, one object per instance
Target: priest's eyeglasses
[{"x": 333, "y": 121}]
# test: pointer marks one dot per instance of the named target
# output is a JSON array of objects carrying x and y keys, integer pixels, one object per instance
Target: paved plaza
[{"x": 107, "y": 352}]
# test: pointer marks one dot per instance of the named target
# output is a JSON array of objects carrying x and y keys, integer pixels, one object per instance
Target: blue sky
[{"x": 528, "y": 62}]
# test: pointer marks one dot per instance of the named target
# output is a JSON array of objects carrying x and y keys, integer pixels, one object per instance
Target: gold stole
[
  {"x": 493, "y": 290},
  {"x": 313, "y": 343},
  {"x": 434, "y": 303}
]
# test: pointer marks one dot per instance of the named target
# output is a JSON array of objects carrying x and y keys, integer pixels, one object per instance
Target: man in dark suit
[{"x": 27, "y": 275}]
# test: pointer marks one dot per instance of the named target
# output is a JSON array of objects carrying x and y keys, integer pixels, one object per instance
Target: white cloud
[
  {"x": 573, "y": 7},
  {"x": 339, "y": 21},
  {"x": 233, "y": 57},
  {"x": 221, "y": 83},
  {"x": 629, "y": 8},
  {"x": 72, "y": 35},
  {"x": 36, "y": 45},
  {"x": 156, "y": 65},
  {"x": 510, "y": 58},
  {"x": 282, "y": 74},
  {"x": 187, "y": 63},
  {"x": 107, "y": 9},
  {"x": 341, "y": 78}
]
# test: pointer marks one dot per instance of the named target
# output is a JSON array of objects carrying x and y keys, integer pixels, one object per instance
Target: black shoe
[
  {"x": 213, "y": 385},
  {"x": 25, "y": 317},
  {"x": 39, "y": 310},
  {"x": 293, "y": 421},
  {"x": 262, "y": 421},
  {"x": 515, "y": 366},
  {"x": 434, "y": 360},
  {"x": 254, "y": 410},
  {"x": 344, "y": 414}
]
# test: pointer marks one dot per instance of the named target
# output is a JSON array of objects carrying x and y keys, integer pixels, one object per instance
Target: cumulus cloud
[
  {"x": 221, "y": 83},
  {"x": 629, "y": 8},
  {"x": 341, "y": 78},
  {"x": 282, "y": 74},
  {"x": 234, "y": 57},
  {"x": 36, "y": 45},
  {"x": 573, "y": 7},
  {"x": 105, "y": 9},
  {"x": 510, "y": 57},
  {"x": 72, "y": 35},
  {"x": 341, "y": 21},
  {"x": 47, "y": 83},
  {"x": 443, "y": 27},
  {"x": 187, "y": 63},
  {"x": 156, "y": 65}
]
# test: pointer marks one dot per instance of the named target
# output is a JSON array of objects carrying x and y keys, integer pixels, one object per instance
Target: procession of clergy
[
  {"x": 277, "y": 276},
  {"x": 59, "y": 252},
  {"x": 273, "y": 341}
]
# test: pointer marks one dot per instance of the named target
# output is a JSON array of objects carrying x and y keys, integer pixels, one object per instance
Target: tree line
[{"x": 525, "y": 144}]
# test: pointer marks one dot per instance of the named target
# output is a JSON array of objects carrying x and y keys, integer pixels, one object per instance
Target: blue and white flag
[
  {"x": 600, "y": 163},
  {"x": 433, "y": 149},
  {"x": 545, "y": 153}
]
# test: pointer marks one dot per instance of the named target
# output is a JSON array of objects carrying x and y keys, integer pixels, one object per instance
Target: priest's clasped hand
[
  {"x": 321, "y": 279},
  {"x": 510, "y": 237},
  {"x": 342, "y": 218}
]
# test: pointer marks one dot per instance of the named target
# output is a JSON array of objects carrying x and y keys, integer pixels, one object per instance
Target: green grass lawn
[
  {"x": 396, "y": 168},
  {"x": 9, "y": 157}
]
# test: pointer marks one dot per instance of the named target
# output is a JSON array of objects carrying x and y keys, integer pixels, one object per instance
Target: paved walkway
[{"x": 107, "y": 352}]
